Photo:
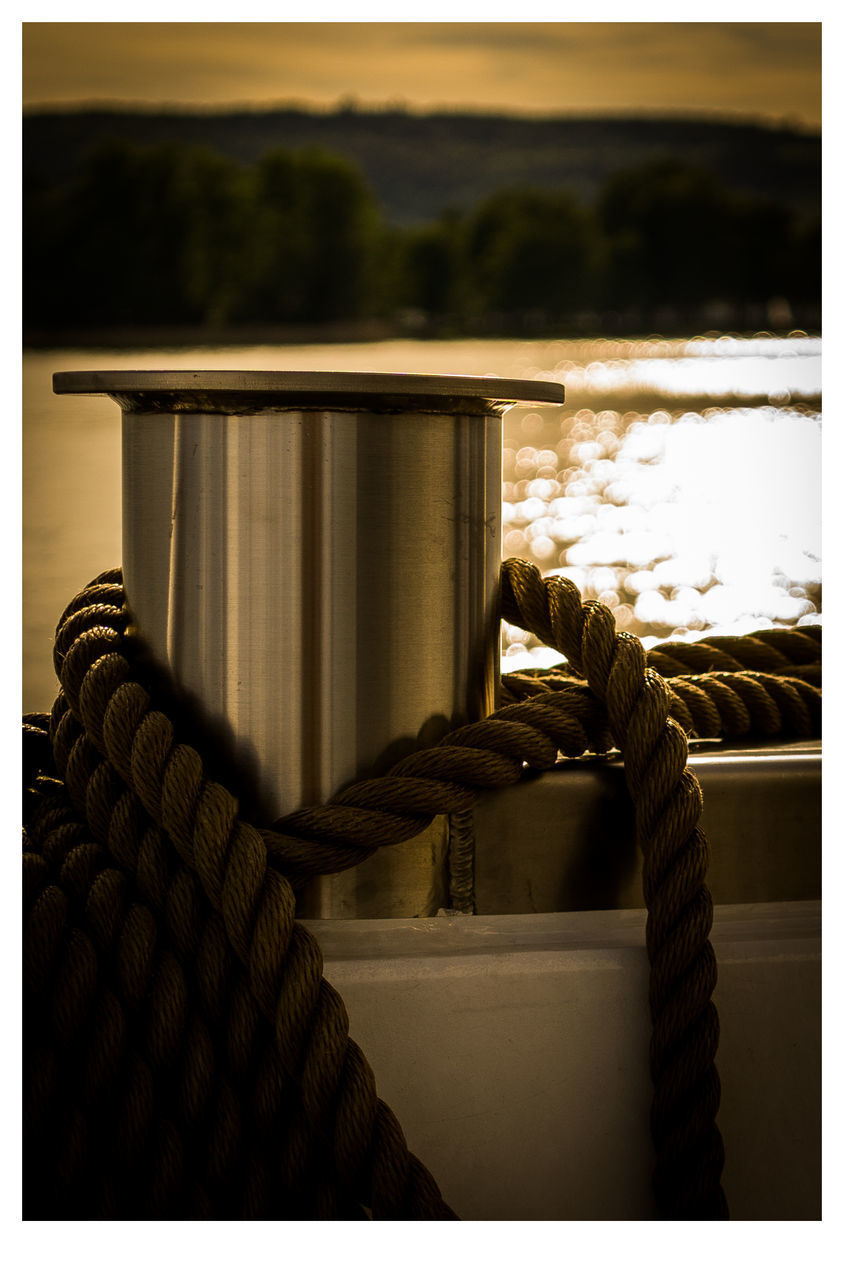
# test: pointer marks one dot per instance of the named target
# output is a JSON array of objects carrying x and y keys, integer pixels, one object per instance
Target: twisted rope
[
  {"x": 684, "y": 1039},
  {"x": 781, "y": 651},
  {"x": 794, "y": 651},
  {"x": 639, "y": 703},
  {"x": 180, "y": 1030},
  {"x": 723, "y": 704},
  {"x": 202, "y": 984}
]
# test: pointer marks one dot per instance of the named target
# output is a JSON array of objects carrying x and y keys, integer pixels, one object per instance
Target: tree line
[{"x": 177, "y": 234}]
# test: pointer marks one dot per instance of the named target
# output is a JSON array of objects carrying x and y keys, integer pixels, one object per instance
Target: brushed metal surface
[
  {"x": 322, "y": 582},
  {"x": 245, "y": 390},
  {"x": 315, "y": 559}
]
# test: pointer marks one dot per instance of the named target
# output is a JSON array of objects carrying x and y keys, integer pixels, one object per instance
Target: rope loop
[{"x": 186, "y": 1055}]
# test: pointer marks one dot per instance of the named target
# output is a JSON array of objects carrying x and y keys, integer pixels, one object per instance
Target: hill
[{"x": 418, "y": 166}]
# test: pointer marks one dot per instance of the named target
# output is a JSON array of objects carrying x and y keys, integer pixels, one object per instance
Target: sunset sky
[{"x": 753, "y": 69}]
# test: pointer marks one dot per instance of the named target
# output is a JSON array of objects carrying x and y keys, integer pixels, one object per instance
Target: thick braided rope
[
  {"x": 785, "y": 651},
  {"x": 722, "y": 704},
  {"x": 219, "y": 1146},
  {"x": 80, "y": 871},
  {"x": 570, "y": 719},
  {"x": 85, "y": 651},
  {"x": 109, "y": 735},
  {"x": 122, "y": 1080},
  {"x": 169, "y": 1134},
  {"x": 93, "y": 682},
  {"x": 667, "y": 797},
  {"x": 567, "y": 719}
]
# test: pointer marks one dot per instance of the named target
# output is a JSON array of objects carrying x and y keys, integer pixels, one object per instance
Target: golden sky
[{"x": 768, "y": 69}]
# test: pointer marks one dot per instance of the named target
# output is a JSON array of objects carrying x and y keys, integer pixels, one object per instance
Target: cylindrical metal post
[{"x": 315, "y": 557}]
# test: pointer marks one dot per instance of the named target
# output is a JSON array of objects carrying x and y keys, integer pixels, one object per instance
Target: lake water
[{"x": 680, "y": 484}]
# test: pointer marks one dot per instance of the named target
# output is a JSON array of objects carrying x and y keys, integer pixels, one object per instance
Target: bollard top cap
[{"x": 248, "y": 391}]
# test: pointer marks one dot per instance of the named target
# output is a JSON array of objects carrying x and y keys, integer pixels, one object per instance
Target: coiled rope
[{"x": 185, "y": 1056}]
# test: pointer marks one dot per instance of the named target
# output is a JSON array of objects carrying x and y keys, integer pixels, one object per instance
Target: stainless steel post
[{"x": 315, "y": 557}]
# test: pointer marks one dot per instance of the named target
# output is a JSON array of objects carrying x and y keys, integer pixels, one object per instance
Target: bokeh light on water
[
  {"x": 722, "y": 368},
  {"x": 682, "y": 520}
]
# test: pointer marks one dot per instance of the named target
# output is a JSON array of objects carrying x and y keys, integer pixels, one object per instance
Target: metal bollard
[{"x": 315, "y": 558}]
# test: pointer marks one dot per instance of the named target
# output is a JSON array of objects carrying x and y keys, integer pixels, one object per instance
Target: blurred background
[{"x": 630, "y": 208}]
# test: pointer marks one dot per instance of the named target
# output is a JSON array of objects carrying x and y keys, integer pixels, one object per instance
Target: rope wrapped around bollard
[{"x": 185, "y": 1057}]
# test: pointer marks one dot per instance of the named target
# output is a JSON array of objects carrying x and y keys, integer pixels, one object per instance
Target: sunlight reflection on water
[
  {"x": 681, "y": 523},
  {"x": 778, "y": 379},
  {"x": 699, "y": 516}
]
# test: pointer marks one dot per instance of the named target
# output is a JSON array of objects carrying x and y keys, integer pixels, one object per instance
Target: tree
[
  {"x": 531, "y": 251},
  {"x": 278, "y": 248},
  {"x": 345, "y": 232},
  {"x": 146, "y": 235},
  {"x": 429, "y": 272},
  {"x": 672, "y": 236},
  {"x": 314, "y": 242}
]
